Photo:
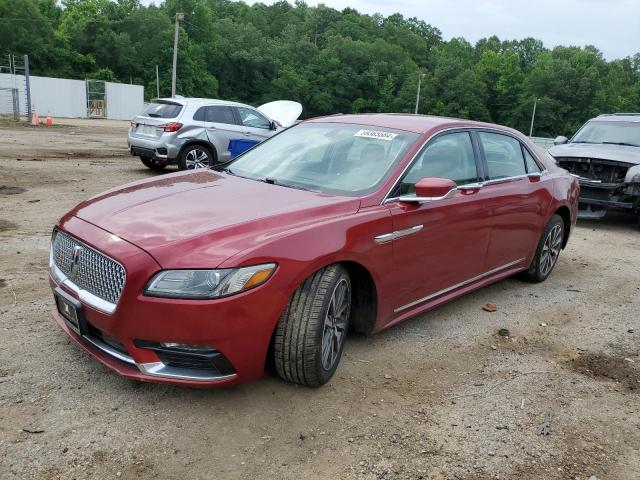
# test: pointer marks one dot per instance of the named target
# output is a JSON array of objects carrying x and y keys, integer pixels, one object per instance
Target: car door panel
[
  {"x": 221, "y": 126},
  {"x": 518, "y": 203},
  {"x": 447, "y": 247},
  {"x": 257, "y": 127}
]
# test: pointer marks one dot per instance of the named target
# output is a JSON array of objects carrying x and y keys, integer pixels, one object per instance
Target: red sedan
[{"x": 339, "y": 223}]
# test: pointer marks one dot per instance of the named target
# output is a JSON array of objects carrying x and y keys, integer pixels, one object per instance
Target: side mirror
[
  {"x": 273, "y": 126},
  {"x": 560, "y": 140},
  {"x": 431, "y": 189}
]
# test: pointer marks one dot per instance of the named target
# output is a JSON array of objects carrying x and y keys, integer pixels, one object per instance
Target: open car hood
[{"x": 285, "y": 112}]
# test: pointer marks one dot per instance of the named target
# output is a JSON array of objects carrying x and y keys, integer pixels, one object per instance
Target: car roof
[
  {"x": 618, "y": 117},
  {"x": 407, "y": 122},
  {"x": 197, "y": 101}
]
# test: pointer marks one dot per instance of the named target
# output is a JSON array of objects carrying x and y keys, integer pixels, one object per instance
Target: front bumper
[
  {"x": 237, "y": 329},
  {"x": 598, "y": 196}
]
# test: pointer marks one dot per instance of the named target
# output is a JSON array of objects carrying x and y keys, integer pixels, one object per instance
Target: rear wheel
[
  {"x": 153, "y": 164},
  {"x": 196, "y": 156},
  {"x": 548, "y": 251},
  {"x": 311, "y": 332}
]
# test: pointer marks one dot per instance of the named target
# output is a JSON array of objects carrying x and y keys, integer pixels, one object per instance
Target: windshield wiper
[
  {"x": 622, "y": 143},
  {"x": 274, "y": 181},
  {"x": 584, "y": 141}
]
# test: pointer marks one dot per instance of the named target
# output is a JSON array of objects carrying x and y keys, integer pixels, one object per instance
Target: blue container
[{"x": 236, "y": 147}]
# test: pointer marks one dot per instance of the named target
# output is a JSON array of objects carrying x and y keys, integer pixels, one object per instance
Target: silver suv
[
  {"x": 198, "y": 132},
  {"x": 605, "y": 156}
]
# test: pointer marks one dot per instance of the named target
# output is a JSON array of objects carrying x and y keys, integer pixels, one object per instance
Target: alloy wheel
[
  {"x": 335, "y": 324},
  {"x": 196, "y": 158},
  {"x": 551, "y": 250}
]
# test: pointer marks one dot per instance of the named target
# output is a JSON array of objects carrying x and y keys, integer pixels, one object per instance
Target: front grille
[
  {"x": 93, "y": 271},
  {"x": 606, "y": 171}
]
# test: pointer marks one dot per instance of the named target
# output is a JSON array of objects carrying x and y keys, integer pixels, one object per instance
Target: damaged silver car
[
  {"x": 201, "y": 133},
  {"x": 605, "y": 156}
]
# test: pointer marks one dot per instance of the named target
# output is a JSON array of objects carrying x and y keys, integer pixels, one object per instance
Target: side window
[
  {"x": 503, "y": 154},
  {"x": 220, "y": 114},
  {"x": 532, "y": 165},
  {"x": 200, "y": 114},
  {"x": 251, "y": 118},
  {"x": 448, "y": 156}
]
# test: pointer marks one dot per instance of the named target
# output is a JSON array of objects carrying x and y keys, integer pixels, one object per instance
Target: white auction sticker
[{"x": 376, "y": 134}]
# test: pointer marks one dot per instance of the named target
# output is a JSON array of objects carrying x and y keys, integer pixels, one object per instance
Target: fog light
[{"x": 186, "y": 346}]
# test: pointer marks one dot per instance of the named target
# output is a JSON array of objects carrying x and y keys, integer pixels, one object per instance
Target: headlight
[{"x": 208, "y": 283}]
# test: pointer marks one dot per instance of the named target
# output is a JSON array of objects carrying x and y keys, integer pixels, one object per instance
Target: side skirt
[{"x": 451, "y": 295}]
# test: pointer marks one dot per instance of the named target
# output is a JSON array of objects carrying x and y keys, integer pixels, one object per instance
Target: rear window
[{"x": 162, "y": 110}]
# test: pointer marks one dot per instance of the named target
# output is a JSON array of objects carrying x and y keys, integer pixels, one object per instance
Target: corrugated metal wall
[
  {"x": 124, "y": 101},
  {"x": 68, "y": 98}
]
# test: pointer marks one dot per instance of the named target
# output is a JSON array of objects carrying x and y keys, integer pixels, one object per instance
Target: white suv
[{"x": 197, "y": 132}]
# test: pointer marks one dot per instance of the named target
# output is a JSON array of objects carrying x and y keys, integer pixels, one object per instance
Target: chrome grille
[{"x": 93, "y": 272}]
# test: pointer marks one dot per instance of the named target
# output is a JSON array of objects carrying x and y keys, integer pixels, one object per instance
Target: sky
[{"x": 613, "y": 26}]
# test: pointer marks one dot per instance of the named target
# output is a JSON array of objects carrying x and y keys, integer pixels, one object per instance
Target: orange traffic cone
[
  {"x": 49, "y": 120},
  {"x": 35, "y": 119}
]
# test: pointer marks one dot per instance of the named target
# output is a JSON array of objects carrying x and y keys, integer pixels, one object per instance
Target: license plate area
[
  {"x": 70, "y": 309},
  {"x": 147, "y": 130}
]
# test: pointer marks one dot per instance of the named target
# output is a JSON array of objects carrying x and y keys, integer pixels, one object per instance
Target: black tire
[
  {"x": 553, "y": 233},
  {"x": 186, "y": 161},
  {"x": 153, "y": 164},
  {"x": 300, "y": 331}
]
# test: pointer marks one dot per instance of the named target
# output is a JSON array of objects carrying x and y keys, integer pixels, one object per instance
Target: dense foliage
[{"x": 331, "y": 61}]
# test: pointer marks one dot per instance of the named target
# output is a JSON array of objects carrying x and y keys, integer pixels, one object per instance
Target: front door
[
  {"x": 257, "y": 126},
  {"x": 440, "y": 245}
]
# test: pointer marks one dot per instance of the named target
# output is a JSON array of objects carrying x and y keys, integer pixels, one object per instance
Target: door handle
[{"x": 246, "y": 134}]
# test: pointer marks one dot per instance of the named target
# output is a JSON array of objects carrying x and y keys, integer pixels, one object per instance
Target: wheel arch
[
  {"x": 564, "y": 213},
  {"x": 203, "y": 143}
]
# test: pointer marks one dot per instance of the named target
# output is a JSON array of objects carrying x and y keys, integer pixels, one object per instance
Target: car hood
[
  {"x": 285, "y": 112},
  {"x": 202, "y": 218},
  {"x": 618, "y": 153}
]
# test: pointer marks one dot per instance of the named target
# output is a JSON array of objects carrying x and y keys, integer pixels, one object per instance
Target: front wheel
[
  {"x": 195, "y": 156},
  {"x": 311, "y": 332},
  {"x": 548, "y": 251}
]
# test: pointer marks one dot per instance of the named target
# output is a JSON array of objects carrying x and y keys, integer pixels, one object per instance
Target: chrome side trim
[
  {"x": 459, "y": 285},
  {"x": 389, "y": 237},
  {"x": 159, "y": 369},
  {"x": 107, "y": 349},
  {"x": 84, "y": 296}
]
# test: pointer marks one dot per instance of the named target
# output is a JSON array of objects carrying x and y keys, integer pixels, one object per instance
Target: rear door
[
  {"x": 221, "y": 126},
  {"x": 519, "y": 198},
  {"x": 256, "y": 125}
]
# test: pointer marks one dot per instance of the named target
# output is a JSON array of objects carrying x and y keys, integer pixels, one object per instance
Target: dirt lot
[{"x": 440, "y": 397}]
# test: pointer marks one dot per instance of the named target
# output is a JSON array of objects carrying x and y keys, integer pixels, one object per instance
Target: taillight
[{"x": 170, "y": 127}]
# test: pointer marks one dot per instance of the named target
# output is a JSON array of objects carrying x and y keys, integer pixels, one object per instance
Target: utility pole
[
  {"x": 27, "y": 86},
  {"x": 157, "y": 83},
  {"x": 179, "y": 18},
  {"x": 533, "y": 116},
  {"x": 420, "y": 77}
]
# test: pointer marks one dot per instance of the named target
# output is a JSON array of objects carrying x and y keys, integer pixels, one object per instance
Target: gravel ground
[{"x": 442, "y": 396}]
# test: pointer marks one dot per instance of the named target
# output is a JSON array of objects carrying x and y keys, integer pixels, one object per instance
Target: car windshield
[
  {"x": 333, "y": 158},
  {"x": 624, "y": 133}
]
